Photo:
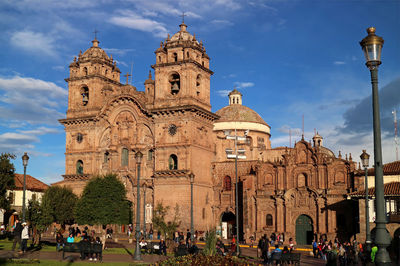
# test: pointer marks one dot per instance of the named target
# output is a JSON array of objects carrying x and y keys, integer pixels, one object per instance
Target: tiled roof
[
  {"x": 392, "y": 168},
  {"x": 390, "y": 189},
  {"x": 31, "y": 183}
]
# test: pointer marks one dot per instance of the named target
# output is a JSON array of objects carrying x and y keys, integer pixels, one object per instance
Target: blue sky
[{"x": 288, "y": 57}]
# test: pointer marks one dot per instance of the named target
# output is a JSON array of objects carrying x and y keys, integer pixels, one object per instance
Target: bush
[
  {"x": 211, "y": 241},
  {"x": 202, "y": 259}
]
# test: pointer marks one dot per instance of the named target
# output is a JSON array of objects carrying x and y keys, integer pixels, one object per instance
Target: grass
[{"x": 51, "y": 247}]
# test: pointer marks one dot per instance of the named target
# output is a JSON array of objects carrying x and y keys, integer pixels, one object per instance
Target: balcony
[{"x": 394, "y": 217}]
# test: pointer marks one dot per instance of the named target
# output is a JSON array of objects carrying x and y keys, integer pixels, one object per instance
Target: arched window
[
  {"x": 173, "y": 162},
  {"x": 187, "y": 55},
  {"x": 198, "y": 84},
  {"x": 159, "y": 59},
  {"x": 175, "y": 56},
  {"x": 106, "y": 156},
  {"x": 227, "y": 183},
  {"x": 79, "y": 167},
  {"x": 302, "y": 180},
  {"x": 150, "y": 155},
  {"x": 269, "y": 221},
  {"x": 124, "y": 157},
  {"x": 85, "y": 95},
  {"x": 175, "y": 83},
  {"x": 85, "y": 71}
]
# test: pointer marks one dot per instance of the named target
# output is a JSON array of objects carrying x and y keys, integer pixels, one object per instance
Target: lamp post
[
  {"x": 191, "y": 176},
  {"x": 372, "y": 47},
  {"x": 144, "y": 210},
  {"x": 138, "y": 157},
  {"x": 25, "y": 159},
  {"x": 239, "y": 154},
  {"x": 365, "y": 162}
]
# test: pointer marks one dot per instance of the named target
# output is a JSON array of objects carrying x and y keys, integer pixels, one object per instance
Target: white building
[{"x": 34, "y": 190}]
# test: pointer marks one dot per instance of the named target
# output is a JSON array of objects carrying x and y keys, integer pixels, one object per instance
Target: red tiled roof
[
  {"x": 390, "y": 189},
  {"x": 392, "y": 168},
  {"x": 31, "y": 183}
]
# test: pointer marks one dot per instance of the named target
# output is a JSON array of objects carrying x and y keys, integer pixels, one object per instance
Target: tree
[
  {"x": 58, "y": 205},
  {"x": 167, "y": 228},
  {"x": 7, "y": 176},
  {"x": 103, "y": 202},
  {"x": 211, "y": 241},
  {"x": 36, "y": 219}
]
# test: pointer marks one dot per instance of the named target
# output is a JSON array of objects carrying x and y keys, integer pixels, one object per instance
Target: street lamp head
[
  {"x": 372, "y": 47},
  {"x": 365, "y": 159},
  {"x": 138, "y": 157},
  {"x": 191, "y": 176},
  {"x": 25, "y": 159}
]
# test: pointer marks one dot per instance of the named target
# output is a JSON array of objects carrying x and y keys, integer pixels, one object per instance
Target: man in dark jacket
[{"x": 17, "y": 234}]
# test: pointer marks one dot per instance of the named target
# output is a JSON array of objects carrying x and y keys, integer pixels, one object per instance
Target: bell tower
[
  {"x": 182, "y": 73},
  {"x": 183, "y": 126}
]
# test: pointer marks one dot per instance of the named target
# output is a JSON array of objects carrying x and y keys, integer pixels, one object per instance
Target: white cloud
[
  {"x": 31, "y": 100},
  {"x": 40, "y": 131},
  {"x": 34, "y": 42},
  {"x": 223, "y": 93},
  {"x": 339, "y": 63},
  {"x": 134, "y": 21},
  {"x": 222, "y": 22},
  {"x": 116, "y": 51},
  {"x": 243, "y": 85}
]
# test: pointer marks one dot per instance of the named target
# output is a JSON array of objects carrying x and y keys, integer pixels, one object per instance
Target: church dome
[
  {"x": 238, "y": 116},
  {"x": 95, "y": 52},
  {"x": 239, "y": 113}
]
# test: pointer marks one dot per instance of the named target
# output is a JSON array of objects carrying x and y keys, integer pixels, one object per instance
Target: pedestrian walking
[
  {"x": 17, "y": 234},
  {"x": 59, "y": 241},
  {"x": 24, "y": 237}
]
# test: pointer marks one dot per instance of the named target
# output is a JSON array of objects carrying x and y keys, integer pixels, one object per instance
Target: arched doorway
[
  {"x": 304, "y": 230},
  {"x": 228, "y": 225}
]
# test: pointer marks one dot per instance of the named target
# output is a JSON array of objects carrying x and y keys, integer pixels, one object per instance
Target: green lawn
[{"x": 7, "y": 245}]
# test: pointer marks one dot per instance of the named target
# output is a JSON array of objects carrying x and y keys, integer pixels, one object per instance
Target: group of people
[
  {"x": 76, "y": 236},
  {"x": 21, "y": 235},
  {"x": 345, "y": 253},
  {"x": 264, "y": 245}
]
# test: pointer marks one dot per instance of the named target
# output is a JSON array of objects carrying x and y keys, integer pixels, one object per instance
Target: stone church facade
[{"x": 299, "y": 191}]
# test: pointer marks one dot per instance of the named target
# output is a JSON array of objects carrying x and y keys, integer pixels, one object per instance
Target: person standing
[
  {"x": 17, "y": 234},
  {"x": 24, "y": 237}
]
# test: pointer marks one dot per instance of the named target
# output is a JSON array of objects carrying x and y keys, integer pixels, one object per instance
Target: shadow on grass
[{"x": 130, "y": 253}]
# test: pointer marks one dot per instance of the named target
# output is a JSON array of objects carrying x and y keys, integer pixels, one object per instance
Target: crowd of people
[{"x": 344, "y": 253}]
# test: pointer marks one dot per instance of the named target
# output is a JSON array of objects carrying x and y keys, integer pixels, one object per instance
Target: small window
[
  {"x": 269, "y": 221},
  {"x": 11, "y": 197},
  {"x": 187, "y": 55},
  {"x": 227, "y": 183},
  {"x": 203, "y": 214},
  {"x": 79, "y": 167},
  {"x": 150, "y": 155},
  {"x": 202, "y": 63},
  {"x": 159, "y": 59},
  {"x": 173, "y": 162},
  {"x": 175, "y": 56},
  {"x": 85, "y": 71},
  {"x": 125, "y": 157}
]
